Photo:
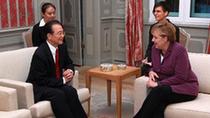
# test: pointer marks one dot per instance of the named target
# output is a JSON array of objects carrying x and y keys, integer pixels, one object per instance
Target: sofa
[
  {"x": 198, "y": 108},
  {"x": 14, "y": 69}
]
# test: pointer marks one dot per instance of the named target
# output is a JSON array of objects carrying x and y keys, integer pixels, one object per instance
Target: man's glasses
[{"x": 59, "y": 33}]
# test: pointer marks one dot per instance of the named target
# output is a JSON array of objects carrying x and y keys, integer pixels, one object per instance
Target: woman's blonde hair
[{"x": 166, "y": 30}]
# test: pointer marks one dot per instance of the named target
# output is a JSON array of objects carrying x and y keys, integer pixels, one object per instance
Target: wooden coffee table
[{"x": 114, "y": 75}]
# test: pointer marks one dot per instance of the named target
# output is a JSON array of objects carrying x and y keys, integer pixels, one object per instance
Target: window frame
[{"x": 184, "y": 15}]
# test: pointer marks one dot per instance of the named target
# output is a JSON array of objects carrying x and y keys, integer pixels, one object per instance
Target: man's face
[{"x": 56, "y": 38}]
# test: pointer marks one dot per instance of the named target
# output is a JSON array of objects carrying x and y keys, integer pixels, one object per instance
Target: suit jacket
[
  {"x": 42, "y": 72},
  {"x": 38, "y": 35},
  {"x": 175, "y": 69}
]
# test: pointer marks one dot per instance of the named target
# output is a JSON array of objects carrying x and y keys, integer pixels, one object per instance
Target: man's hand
[{"x": 68, "y": 75}]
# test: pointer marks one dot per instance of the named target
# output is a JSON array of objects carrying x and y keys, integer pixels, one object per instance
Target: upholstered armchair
[
  {"x": 184, "y": 37},
  {"x": 9, "y": 105},
  {"x": 14, "y": 69},
  {"x": 27, "y": 38}
]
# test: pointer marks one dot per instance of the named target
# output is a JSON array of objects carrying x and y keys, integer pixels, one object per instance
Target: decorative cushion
[{"x": 198, "y": 108}]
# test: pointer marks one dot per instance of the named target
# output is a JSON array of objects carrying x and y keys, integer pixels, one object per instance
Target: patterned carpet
[{"x": 99, "y": 107}]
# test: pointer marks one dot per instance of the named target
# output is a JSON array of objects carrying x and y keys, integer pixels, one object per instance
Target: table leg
[
  {"x": 109, "y": 86},
  {"x": 119, "y": 97},
  {"x": 88, "y": 81},
  {"x": 138, "y": 74}
]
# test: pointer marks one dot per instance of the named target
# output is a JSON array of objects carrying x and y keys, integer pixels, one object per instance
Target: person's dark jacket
[
  {"x": 38, "y": 35},
  {"x": 42, "y": 72}
]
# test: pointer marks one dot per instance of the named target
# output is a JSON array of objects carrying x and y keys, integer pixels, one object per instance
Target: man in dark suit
[{"x": 50, "y": 71}]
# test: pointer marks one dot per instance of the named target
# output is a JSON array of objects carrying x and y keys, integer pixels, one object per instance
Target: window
[
  {"x": 187, "y": 12},
  {"x": 16, "y": 14},
  {"x": 200, "y": 8}
]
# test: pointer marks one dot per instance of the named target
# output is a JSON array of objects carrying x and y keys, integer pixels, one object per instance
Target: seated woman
[{"x": 171, "y": 78}]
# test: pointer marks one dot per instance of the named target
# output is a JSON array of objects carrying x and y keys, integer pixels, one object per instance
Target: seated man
[{"x": 51, "y": 68}]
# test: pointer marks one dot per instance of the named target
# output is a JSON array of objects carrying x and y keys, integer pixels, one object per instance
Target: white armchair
[
  {"x": 13, "y": 74},
  {"x": 184, "y": 37},
  {"x": 9, "y": 105},
  {"x": 27, "y": 38}
]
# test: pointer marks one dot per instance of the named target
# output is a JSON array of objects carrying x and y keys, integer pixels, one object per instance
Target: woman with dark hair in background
[
  {"x": 48, "y": 13},
  {"x": 160, "y": 11}
]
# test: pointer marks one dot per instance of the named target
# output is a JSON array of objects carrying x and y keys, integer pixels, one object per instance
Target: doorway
[{"x": 71, "y": 18}]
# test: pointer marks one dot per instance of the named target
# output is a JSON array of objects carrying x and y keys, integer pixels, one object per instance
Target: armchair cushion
[
  {"x": 84, "y": 94},
  {"x": 15, "y": 64},
  {"x": 41, "y": 109},
  {"x": 198, "y": 108},
  {"x": 22, "y": 113}
]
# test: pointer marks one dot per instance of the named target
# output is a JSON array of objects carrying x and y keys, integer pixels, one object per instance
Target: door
[{"x": 70, "y": 16}]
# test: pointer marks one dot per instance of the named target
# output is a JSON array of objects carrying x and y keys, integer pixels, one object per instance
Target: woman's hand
[
  {"x": 145, "y": 61},
  {"x": 152, "y": 79},
  {"x": 151, "y": 83},
  {"x": 153, "y": 75}
]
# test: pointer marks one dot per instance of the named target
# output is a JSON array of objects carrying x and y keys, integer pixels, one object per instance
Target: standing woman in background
[
  {"x": 160, "y": 11},
  {"x": 48, "y": 13}
]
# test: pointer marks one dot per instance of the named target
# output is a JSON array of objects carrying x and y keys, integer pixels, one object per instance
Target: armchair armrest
[
  {"x": 8, "y": 99},
  {"x": 140, "y": 92},
  {"x": 25, "y": 94}
]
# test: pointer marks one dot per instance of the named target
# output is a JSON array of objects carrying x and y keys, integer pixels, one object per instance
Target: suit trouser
[
  {"x": 157, "y": 100},
  {"x": 64, "y": 101}
]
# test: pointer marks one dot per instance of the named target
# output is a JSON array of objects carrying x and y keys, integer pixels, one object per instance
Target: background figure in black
[
  {"x": 48, "y": 13},
  {"x": 160, "y": 11}
]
